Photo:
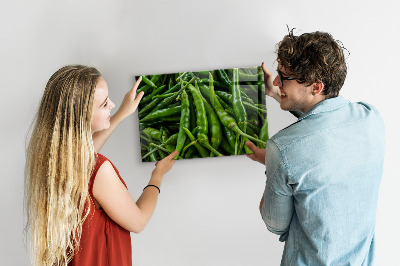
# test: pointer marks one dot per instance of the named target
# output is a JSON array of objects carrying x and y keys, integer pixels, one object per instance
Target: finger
[
  {"x": 172, "y": 155},
  {"x": 139, "y": 96},
  {"x": 252, "y": 156},
  {"x": 136, "y": 85},
  {"x": 251, "y": 145},
  {"x": 265, "y": 69}
]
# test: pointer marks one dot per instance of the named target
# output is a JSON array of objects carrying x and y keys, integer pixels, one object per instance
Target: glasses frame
[{"x": 282, "y": 78}]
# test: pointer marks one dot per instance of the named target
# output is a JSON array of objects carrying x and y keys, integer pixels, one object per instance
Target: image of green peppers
[{"x": 161, "y": 113}]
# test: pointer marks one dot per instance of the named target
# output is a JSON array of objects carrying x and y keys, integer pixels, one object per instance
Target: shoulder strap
[{"x": 100, "y": 159}]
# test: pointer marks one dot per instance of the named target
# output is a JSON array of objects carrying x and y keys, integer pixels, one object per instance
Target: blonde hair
[{"x": 59, "y": 161}]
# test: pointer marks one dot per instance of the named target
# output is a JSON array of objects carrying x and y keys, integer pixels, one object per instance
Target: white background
[{"x": 208, "y": 208}]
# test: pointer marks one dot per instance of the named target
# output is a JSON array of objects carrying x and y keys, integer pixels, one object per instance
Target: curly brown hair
[{"x": 314, "y": 57}]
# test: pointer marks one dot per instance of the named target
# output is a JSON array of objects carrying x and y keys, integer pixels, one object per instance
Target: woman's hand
[
  {"x": 131, "y": 101},
  {"x": 270, "y": 89},
  {"x": 258, "y": 155},
  {"x": 163, "y": 166}
]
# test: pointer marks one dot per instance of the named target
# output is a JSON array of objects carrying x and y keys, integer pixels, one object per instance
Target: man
[{"x": 323, "y": 171}]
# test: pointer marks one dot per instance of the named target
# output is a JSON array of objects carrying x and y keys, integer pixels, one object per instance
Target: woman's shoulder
[{"x": 106, "y": 167}]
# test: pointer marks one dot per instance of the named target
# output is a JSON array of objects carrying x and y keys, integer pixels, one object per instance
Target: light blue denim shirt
[{"x": 323, "y": 175}]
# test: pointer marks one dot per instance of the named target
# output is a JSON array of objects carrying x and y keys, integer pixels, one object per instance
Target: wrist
[
  {"x": 156, "y": 178},
  {"x": 118, "y": 117}
]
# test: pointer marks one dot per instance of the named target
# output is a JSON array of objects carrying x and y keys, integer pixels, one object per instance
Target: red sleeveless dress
[{"x": 103, "y": 241}]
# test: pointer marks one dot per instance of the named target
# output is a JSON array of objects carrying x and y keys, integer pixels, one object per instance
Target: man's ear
[{"x": 317, "y": 88}]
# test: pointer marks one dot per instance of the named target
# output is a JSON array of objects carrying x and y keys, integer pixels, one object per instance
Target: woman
[{"x": 78, "y": 207}]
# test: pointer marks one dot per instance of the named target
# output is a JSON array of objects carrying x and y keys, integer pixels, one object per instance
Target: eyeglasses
[{"x": 282, "y": 78}]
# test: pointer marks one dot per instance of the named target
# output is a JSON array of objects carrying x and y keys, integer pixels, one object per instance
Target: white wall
[{"x": 208, "y": 208}]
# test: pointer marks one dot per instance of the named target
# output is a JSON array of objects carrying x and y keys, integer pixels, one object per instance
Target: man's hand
[
  {"x": 270, "y": 89},
  {"x": 258, "y": 155}
]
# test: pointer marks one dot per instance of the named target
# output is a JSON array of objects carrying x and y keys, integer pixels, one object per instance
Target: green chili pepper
[
  {"x": 163, "y": 96},
  {"x": 205, "y": 91},
  {"x": 226, "y": 119},
  {"x": 152, "y": 156},
  {"x": 254, "y": 128},
  {"x": 167, "y": 101},
  {"x": 225, "y": 96},
  {"x": 251, "y": 88},
  {"x": 145, "y": 138},
  {"x": 170, "y": 82},
  {"x": 160, "y": 147},
  {"x": 229, "y": 136},
  {"x": 154, "y": 103},
  {"x": 164, "y": 133},
  {"x": 189, "y": 152},
  {"x": 227, "y": 147},
  {"x": 188, "y": 146},
  {"x": 264, "y": 132},
  {"x": 148, "y": 81},
  {"x": 154, "y": 79},
  {"x": 203, "y": 152},
  {"x": 202, "y": 74},
  {"x": 238, "y": 107},
  {"x": 229, "y": 111},
  {"x": 201, "y": 118},
  {"x": 237, "y": 103},
  {"x": 187, "y": 142},
  {"x": 167, "y": 112},
  {"x": 184, "y": 122},
  {"x": 167, "y": 143},
  {"x": 224, "y": 77},
  {"x": 216, "y": 83},
  {"x": 149, "y": 97},
  {"x": 229, "y": 98},
  {"x": 195, "y": 130},
  {"x": 171, "y": 140},
  {"x": 180, "y": 76},
  {"x": 161, "y": 153},
  {"x": 152, "y": 133},
  {"x": 248, "y": 77},
  {"x": 176, "y": 118},
  {"x": 261, "y": 85},
  {"x": 192, "y": 114},
  {"x": 214, "y": 125}
]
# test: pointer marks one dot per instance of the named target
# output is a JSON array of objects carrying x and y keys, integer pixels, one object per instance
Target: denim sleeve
[{"x": 277, "y": 209}]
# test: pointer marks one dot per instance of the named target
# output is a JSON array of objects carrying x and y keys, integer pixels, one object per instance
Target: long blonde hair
[{"x": 59, "y": 162}]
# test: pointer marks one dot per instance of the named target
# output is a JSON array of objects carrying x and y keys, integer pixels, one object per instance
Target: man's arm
[
  {"x": 274, "y": 91},
  {"x": 270, "y": 89},
  {"x": 276, "y": 205}
]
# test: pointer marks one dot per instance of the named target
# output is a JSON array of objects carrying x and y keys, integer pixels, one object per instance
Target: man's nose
[{"x": 277, "y": 81}]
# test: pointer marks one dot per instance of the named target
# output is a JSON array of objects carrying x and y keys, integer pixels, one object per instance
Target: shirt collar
[{"x": 325, "y": 106}]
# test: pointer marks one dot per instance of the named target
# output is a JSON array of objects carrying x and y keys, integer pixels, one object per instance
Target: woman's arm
[
  {"x": 116, "y": 201},
  {"x": 128, "y": 106}
]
